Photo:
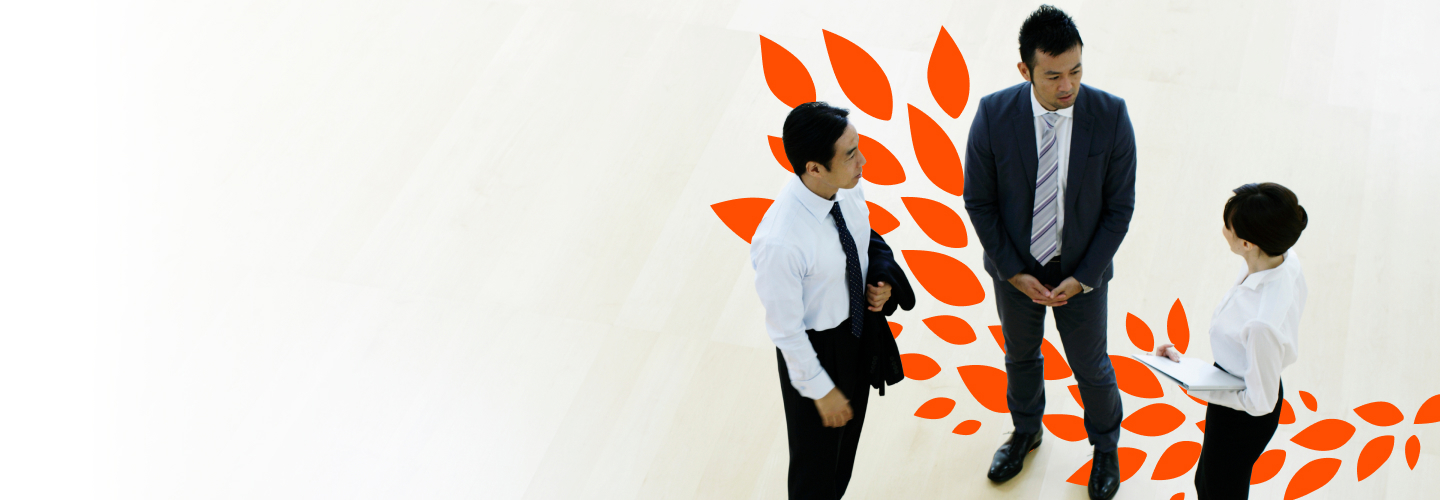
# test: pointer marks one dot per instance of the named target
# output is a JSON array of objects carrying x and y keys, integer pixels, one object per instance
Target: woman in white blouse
[{"x": 1254, "y": 334}]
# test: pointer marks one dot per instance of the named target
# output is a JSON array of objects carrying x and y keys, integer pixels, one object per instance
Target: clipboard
[{"x": 1192, "y": 374}]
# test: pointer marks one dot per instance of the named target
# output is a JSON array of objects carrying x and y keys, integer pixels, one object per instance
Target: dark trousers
[
  {"x": 1233, "y": 441},
  {"x": 821, "y": 458},
  {"x": 1081, "y": 322}
]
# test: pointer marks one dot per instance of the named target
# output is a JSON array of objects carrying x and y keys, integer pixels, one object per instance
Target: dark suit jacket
[
  {"x": 1000, "y": 171},
  {"x": 881, "y": 355}
]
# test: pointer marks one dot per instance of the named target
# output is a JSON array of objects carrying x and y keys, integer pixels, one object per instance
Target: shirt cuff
[{"x": 815, "y": 388}]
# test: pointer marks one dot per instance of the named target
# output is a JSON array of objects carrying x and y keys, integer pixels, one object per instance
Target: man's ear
[
  {"x": 1024, "y": 71},
  {"x": 815, "y": 167}
]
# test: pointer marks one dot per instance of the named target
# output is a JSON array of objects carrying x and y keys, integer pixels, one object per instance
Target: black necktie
[{"x": 852, "y": 273}]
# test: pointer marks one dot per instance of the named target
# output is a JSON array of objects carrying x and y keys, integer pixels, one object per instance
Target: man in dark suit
[{"x": 1050, "y": 187}]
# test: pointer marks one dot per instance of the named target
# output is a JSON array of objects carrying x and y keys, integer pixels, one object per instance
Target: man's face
[
  {"x": 845, "y": 167},
  {"x": 1056, "y": 78}
]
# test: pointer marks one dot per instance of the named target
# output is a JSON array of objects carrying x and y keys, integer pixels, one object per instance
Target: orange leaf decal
[
  {"x": 1193, "y": 398},
  {"x": 1075, "y": 392},
  {"x": 860, "y": 76},
  {"x": 1139, "y": 332},
  {"x": 1267, "y": 466},
  {"x": 1130, "y": 461},
  {"x": 918, "y": 366},
  {"x": 1068, "y": 427},
  {"x": 987, "y": 384},
  {"x": 951, "y": 329},
  {"x": 880, "y": 219},
  {"x": 742, "y": 215},
  {"x": 938, "y": 221},
  {"x": 1429, "y": 411},
  {"x": 1376, "y": 452},
  {"x": 1412, "y": 451},
  {"x": 999, "y": 335},
  {"x": 1154, "y": 420},
  {"x": 1287, "y": 414},
  {"x": 1201, "y": 425},
  {"x": 777, "y": 148},
  {"x": 1135, "y": 379},
  {"x": 948, "y": 75},
  {"x": 1178, "y": 496},
  {"x": 936, "y": 154},
  {"x": 967, "y": 427},
  {"x": 948, "y": 280},
  {"x": 1055, "y": 367},
  {"x": 895, "y": 329},
  {"x": 1325, "y": 435},
  {"x": 787, "y": 77},
  {"x": 1311, "y": 477},
  {"x": 1178, "y": 328},
  {"x": 935, "y": 408},
  {"x": 1309, "y": 400},
  {"x": 881, "y": 167},
  {"x": 1380, "y": 413},
  {"x": 1176, "y": 461}
]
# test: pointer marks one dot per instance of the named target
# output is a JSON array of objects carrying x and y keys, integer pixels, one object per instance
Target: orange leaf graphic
[
  {"x": 1178, "y": 327},
  {"x": 987, "y": 384},
  {"x": 1380, "y": 413},
  {"x": 895, "y": 329},
  {"x": 1055, "y": 367},
  {"x": 919, "y": 366},
  {"x": 1429, "y": 411},
  {"x": 1287, "y": 414},
  {"x": 742, "y": 215},
  {"x": 938, "y": 221},
  {"x": 948, "y": 75},
  {"x": 787, "y": 77},
  {"x": 1139, "y": 332},
  {"x": 948, "y": 280},
  {"x": 1201, "y": 425},
  {"x": 936, "y": 154},
  {"x": 1267, "y": 466},
  {"x": 1193, "y": 398},
  {"x": 1309, "y": 400},
  {"x": 935, "y": 408},
  {"x": 1154, "y": 420},
  {"x": 999, "y": 335},
  {"x": 880, "y": 219},
  {"x": 1176, "y": 461},
  {"x": 1325, "y": 435},
  {"x": 860, "y": 76},
  {"x": 1135, "y": 379},
  {"x": 1311, "y": 477},
  {"x": 967, "y": 427},
  {"x": 1130, "y": 461},
  {"x": 1412, "y": 451},
  {"x": 1075, "y": 392},
  {"x": 777, "y": 148},
  {"x": 881, "y": 167},
  {"x": 1068, "y": 427},
  {"x": 951, "y": 329},
  {"x": 1376, "y": 452},
  {"x": 1178, "y": 496}
]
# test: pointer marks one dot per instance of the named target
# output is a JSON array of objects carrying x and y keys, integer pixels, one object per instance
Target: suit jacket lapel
[
  {"x": 1025, "y": 130},
  {"x": 1079, "y": 151}
]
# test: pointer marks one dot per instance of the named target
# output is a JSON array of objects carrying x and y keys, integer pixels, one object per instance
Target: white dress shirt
[
  {"x": 1062, "y": 140},
  {"x": 800, "y": 274},
  {"x": 1255, "y": 334}
]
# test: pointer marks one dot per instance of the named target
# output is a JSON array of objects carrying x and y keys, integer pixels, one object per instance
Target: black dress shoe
[
  {"x": 1105, "y": 475},
  {"x": 1010, "y": 458}
]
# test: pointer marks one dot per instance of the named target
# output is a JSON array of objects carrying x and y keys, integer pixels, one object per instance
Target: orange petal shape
[
  {"x": 1429, "y": 411},
  {"x": 1197, "y": 400},
  {"x": 948, "y": 75},
  {"x": 742, "y": 215},
  {"x": 1380, "y": 413},
  {"x": 1135, "y": 379},
  {"x": 881, "y": 167},
  {"x": 1325, "y": 435},
  {"x": 1130, "y": 461},
  {"x": 1140, "y": 333},
  {"x": 1176, "y": 461},
  {"x": 948, "y": 280},
  {"x": 1309, "y": 400},
  {"x": 918, "y": 366},
  {"x": 999, "y": 335},
  {"x": 1412, "y": 451},
  {"x": 1311, "y": 477},
  {"x": 1287, "y": 414},
  {"x": 880, "y": 219},
  {"x": 967, "y": 427},
  {"x": 938, "y": 221},
  {"x": 935, "y": 408},
  {"x": 951, "y": 329},
  {"x": 1376, "y": 452},
  {"x": 787, "y": 77},
  {"x": 1201, "y": 425},
  {"x": 1267, "y": 466},
  {"x": 1055, "y": 367},
  {"x": 860, "y": 76},
  {"x": 1068, "y": 427},
  {"x": 1178, "y": 496},
  {"x": 987, "y": 384},
  {"x": 936, "y": 154},
  {"x": 1075, "y": 392},
  {"x": 1178, "y": 328},
  {"x": 777, "y": 148},
  {"x": 895, "y": 329},
  {"x": 1154, "y": 420}
]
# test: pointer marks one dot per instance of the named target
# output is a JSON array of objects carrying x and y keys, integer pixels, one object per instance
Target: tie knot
[
  {"x": 1050, "y": 119},
  {"x": 835, "y": 210}
]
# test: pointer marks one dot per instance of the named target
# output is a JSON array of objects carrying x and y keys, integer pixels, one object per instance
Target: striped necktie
[{"x": 1044, "y": 236}]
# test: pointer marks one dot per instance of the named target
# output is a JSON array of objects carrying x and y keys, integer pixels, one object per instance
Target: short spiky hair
[
  {"x": 1049, "y": 30},
  {"x": 810, "y": 133}
]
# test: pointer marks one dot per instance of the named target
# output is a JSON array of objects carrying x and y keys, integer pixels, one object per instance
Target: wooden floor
[{"x": 466, "y": 249}]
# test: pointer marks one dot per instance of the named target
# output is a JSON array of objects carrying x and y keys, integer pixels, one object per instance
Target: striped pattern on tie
[{"x": 1044, "y": 236}]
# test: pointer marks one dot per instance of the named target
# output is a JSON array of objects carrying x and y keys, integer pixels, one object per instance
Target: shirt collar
[
  {"x": 1254, "y": 281},
  {"x": 817, "y": 206},
  {"x": 1038, "y": 110}
]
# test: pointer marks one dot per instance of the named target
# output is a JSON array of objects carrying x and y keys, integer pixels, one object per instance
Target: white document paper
[{"x": 1193, "y": 374}]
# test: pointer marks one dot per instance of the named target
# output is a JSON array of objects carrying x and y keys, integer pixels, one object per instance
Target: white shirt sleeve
[
  {"x": 779, "y": 269},
  {"x": 1262, "y": 381}
]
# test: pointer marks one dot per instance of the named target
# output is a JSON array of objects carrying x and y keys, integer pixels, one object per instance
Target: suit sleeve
[
  {"x": 982, "y": 197},
  {"x": 1118, "y": 203}
]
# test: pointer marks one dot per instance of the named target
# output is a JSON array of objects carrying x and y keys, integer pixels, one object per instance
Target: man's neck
[{"x": 819, "y": 189}]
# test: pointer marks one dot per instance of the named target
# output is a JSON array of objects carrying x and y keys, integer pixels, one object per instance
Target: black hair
[
  {"x": 1266, "y": 214},
  {"x": 1049, "y": 30},
  {"x": 810, "y": 133}
]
